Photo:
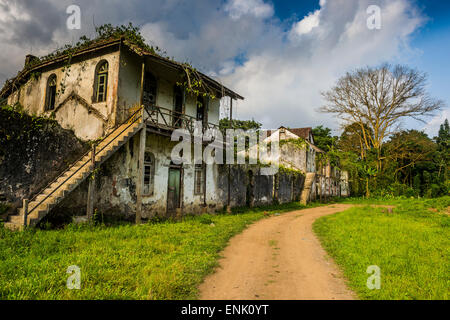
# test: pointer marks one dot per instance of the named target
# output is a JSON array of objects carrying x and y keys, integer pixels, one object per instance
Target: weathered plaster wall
[
  {"x": 130, "y": 87},
  {"x": 33, "y": 151},
  {"x": 116, "y": 185},
  {"x": 293, "y": 157},
  {"x": 88, "y": 120}
]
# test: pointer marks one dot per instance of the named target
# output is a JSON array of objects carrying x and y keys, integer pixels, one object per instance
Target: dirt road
[{"x": 278, "y": 258}]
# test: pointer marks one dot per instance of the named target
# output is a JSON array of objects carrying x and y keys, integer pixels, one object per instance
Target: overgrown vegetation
[
  {"x": 413, "y": 164},
  {"x": 299, "y": 143},
  {"x": 3, "y": 208},
  {"x": 381, "y": 159},
  {"x": 104, "y": 32},
  {"x": 192, "y": 81},
  {"x": 15, "y": 114},
  {"x": 164, "y": 260},
  {"x": 239, "y": 124},
  {"x": 409, "y": 245},
  {"x": 33, "y": 150}
]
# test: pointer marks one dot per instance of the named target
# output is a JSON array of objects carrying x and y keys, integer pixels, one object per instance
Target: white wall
[
  {"x": 130, "y": 86},
  {"x": 79, "y": 80}
]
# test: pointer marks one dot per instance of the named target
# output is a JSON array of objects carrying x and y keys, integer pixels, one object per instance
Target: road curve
[{"x": 278, "y": 258}]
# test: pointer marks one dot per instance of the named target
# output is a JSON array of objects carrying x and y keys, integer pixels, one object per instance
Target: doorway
[
  {"x": 149, "y": 90},
  {"x": 173, "y": 191},
  {"x": 178, "y": 106}
]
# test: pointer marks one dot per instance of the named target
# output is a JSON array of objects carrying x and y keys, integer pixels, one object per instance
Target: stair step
[
  {"x": 18, "y": 219},
  {"x": 72, "y": 177},
  {"x": 13, "y": 226},
  {"x": 35, "y": 213}
]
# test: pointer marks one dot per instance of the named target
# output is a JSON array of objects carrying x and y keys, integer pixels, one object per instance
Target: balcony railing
[{"x": 169, "y": 120}]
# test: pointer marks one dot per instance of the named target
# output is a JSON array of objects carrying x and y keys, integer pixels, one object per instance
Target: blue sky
[
  {"x": 280, "y": 55},
  {"x": 432, "y": 42}
]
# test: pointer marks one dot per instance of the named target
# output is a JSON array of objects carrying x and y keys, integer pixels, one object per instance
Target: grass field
[
  {"x": 168, "y": 260},
  {"x": 410, "y": 245},
  {"x": 152, "y": 261}
]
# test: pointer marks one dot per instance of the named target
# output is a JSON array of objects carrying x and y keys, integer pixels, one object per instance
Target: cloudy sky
[{"x": 278, "y": 54}]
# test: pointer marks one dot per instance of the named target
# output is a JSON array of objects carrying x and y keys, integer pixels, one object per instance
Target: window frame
[
  {"x": 199, "y": 174},
  {"x": 50, "y": 103},
  {"x": 148, "y": 188},
  {"x": 101, "y": 73}
]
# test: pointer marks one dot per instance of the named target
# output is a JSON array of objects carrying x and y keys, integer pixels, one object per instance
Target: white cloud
[
  {"x": 432, "y": 127},
  {"x": 12, "y": 11},
  {"x": 279, "y": 66},
  {"x": 282, "y": 85},
  {"x": 308, "y": 23},
  {"x": 256, "y": 8}
]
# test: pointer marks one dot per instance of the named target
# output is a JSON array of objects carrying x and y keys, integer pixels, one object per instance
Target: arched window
[
  {"x": 149, "y": 173},
  {"x": 50, "y": 96},
  {"x": 101, "y": 81}
]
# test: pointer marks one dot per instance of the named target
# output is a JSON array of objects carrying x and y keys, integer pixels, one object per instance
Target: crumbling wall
[
  {"x": 74, "y": 106},
  {"x": 116, "y": 185},
  {"x": 250, "y": 187},
  {"x": 33, "y": 151}
]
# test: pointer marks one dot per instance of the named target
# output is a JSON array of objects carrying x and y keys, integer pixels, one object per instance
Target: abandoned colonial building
[
  {"x": 298, "y": 152},
  {"x": 127, "y": 102}
]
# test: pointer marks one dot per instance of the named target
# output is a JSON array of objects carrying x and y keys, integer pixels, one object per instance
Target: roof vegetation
[
  {"x": 192, "y": 80},
  {"x": 104, "y": 33}
]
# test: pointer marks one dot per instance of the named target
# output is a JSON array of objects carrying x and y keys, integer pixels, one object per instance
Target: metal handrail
[{"x": 87, "y": 161}]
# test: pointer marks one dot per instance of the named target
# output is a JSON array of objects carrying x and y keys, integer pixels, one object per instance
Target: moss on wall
[{"x": 33, "y": 150}]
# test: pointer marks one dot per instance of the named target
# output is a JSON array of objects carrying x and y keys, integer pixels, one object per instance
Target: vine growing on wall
[
  {"x": 191, "y": 81},
  {"x": 193, "y": 84},
  {"x": 294, "y": 172},
  {"x": 299, "y": 143}
]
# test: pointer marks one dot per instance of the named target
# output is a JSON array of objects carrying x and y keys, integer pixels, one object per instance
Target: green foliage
[
  {"x": 323, "y": 138},
  {"x": 299, "y": 143},
  {"x": 290, "y": 171},
  {"x": 193, "y": 83},
  {"x": 410, "y": 245},
  {"x": 3, "y": 208},
  {"x": 239, "y": 124},
  {"x": 409, "y": 162},
  {"x": 104, "y": 32},
  {"x": 30, "y": 125}
]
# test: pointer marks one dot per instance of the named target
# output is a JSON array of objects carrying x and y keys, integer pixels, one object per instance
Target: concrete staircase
[
  {"x": 307, "y": 187},
  {"x": 55, "y": 192}
]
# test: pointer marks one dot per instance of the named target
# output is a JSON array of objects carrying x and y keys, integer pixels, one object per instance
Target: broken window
[
  {"x": 199, "y": 179},
  {"x": 149, "y": 170},
  {"x": 51, "y": 93},
  {"x": 101, "y": 82}
]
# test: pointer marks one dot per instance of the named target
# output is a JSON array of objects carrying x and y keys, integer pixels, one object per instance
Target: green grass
[
  {"x": 410, "y": 245},
  {"x": 166, "y": 260},
  {"x": 3, "y": 208}
]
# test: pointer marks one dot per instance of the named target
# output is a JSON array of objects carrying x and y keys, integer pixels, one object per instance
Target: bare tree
[{"x": 378, "y": 98}]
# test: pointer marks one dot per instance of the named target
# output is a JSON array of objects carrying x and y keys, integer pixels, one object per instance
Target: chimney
[{"x": 29, "y": 59}]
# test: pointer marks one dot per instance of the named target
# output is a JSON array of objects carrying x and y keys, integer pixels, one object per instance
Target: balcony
[{"x": 163, "y": 121}]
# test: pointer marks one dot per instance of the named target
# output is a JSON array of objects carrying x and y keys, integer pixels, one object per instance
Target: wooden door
[{"x": 173, "y": 192}]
